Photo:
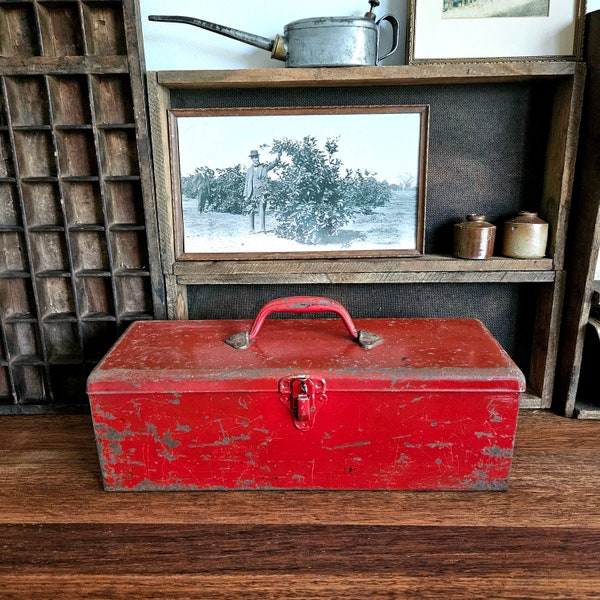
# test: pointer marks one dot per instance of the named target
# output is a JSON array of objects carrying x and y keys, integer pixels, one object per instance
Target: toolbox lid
[{"x": 416, "y": 354}]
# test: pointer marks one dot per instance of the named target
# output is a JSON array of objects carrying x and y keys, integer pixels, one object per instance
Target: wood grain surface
[
  {"x": 458, "y": 72},
  {"x": 62, "y": 536}
]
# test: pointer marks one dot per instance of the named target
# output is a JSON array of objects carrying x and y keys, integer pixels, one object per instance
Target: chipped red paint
[{"x": 434, "y": 407}]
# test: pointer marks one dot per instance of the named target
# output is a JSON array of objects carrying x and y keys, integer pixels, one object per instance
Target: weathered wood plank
[
  {"x": 426, "y": 263},
  {"x": 584, "y": 243},
  {"x": 546, "y": 333},
  {"x": 350, "y": 76},
  {"x": 63, "y": 537},
  {"x": 133, "y": 30},
  {"x": 64, "y": 65},
  {"x": 159, "y": 549},
  {"x": 560, "y": 161},
  {"x": 370, "y": 277},
  {"x": 423, "y": 269},
  {"x": 49, "y": 473},
  {"x": 310, "y": 586}
]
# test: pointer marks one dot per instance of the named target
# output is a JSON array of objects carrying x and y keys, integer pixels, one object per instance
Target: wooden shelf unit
[
  {"x": 584, "y": 244},
  {"x": 76, "y": 204},
  {"x": 561, "y": 100}
]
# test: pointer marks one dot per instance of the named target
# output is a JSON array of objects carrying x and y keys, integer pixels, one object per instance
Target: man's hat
[{"x": 253, "y": 154}]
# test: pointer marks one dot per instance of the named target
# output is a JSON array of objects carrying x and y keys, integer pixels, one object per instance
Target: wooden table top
[{"x": 62, "y": 536}]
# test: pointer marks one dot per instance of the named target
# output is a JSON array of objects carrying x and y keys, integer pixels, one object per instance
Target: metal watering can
[{"x": 316, "y": 42}]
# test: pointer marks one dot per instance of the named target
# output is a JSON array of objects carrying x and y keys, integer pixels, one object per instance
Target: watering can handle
[
  {"x": 391, "y": 19},
  {"x": 303, "y": 304}
]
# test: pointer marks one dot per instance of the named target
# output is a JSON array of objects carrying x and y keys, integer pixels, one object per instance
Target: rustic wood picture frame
[
  {"x": 170, "y": 90},
  {"x": 298, "y": 182},
  {"x": 434, "y": 38}
]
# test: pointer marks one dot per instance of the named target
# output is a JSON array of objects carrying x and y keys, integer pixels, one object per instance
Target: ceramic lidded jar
[
  {"x": 525, "y": 236},
  {"x": 474, "y": 238}
]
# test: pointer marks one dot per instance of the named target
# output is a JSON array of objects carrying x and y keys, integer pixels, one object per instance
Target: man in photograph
[{"x": 255, "y": 193}]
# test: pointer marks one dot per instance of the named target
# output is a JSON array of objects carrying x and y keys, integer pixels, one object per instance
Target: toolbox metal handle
[{"x": 303, "y": 304}]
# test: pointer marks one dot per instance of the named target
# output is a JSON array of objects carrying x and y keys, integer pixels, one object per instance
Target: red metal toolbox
[{"x": 426, "y": 404}]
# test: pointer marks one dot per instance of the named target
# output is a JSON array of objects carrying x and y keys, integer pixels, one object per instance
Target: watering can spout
[{"x": 277, "y": 47}]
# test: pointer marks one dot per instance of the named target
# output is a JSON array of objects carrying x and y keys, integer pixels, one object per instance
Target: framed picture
[
  {"x": 465, "y": 30},
  {"x": 316, "y": 182}
]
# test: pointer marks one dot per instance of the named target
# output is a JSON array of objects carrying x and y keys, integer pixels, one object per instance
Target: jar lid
[{"x": 526, "y": 216}]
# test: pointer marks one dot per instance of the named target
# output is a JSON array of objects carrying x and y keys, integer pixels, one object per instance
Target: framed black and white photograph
[
  {"x": 326, "y": 182},
  {"x": 459, "y": 30}
]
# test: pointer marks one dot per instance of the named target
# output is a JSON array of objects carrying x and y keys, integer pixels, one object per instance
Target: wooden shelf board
[
  {"x": 28, "y": 360},
  {"x": 135, "y": 316},
  {"x": 362, "y": 278},
  {"x": 93, "y": 317},
  {"x": 52, "y": 273},
  {"x": 353, "y": 76},
  {"x": 21, "y": 318},
  {"x": 63, "y": 65},
  {"x": 62, "y": 317},
  {"x": 131, "y": 273},
  {"x": 15, "y": 275},
  {"x": 92, "y": 273},
  {"x": 423, "y": 269}
]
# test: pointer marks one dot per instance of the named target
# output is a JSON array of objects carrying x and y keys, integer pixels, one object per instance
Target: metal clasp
[{"x": 303, "y": 396}]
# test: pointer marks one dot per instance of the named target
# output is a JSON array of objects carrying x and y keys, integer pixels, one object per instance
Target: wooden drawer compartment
[
  {"x": 13, "y": 254},
  {"x": 9, "y": 208},
  {"x": 61, "y": 28},
  {"x": 125, "y": 204},
  {"x": 5, "y": 389},
  {"x": 23, "y": 340},
  {"x": 119, "y": 152},
  {"x": 35, "y": 154},
  {"x": 17, "y": 30},
  {"x": 104, "y": 28},
  {"x": 42, "y": 204},
  {"x": 30, "y": 383},
  {"x": 55, "y": 297},
  {"x": 129, "y": 250},
  {"x": 89, "y": 251},
  {"x": 7, "y": 168},
  {"x": 70, "y": 100},
  {"x": 96, "y": 297},
  {"x": 49, "y": 252},
  {"x": 16, "y": 299},
  {"x": 62, "y": 341},
  {"x": 20, "y": 92},
  {"x": 76, "y": 152},
  {"x": 112, "y": 96},
  {"x": 133, "y": 297},
  {"x": 83, "y": 203}
]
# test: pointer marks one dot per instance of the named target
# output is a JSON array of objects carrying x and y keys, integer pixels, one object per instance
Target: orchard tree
[
  {"x": 365, "y": 192},
  {"x": 310, "y": 196},
  {"x": 220, "y": 190},
  {"x": 407, "y": 180},
  {"x": 228, "y": 190}
]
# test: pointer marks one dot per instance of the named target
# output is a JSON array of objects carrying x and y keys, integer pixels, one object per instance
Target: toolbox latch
[{"x": 303, "y": 396}]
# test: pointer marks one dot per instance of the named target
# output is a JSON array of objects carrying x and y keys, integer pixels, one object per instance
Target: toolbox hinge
[{"x": 303, "y": 396}]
